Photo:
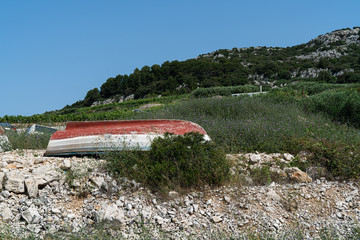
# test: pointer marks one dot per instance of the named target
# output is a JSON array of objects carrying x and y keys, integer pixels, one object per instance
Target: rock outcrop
[{"x": 46, "y": 195}]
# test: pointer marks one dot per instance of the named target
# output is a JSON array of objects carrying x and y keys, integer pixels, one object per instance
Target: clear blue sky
[{"x": 53, "y": 51}]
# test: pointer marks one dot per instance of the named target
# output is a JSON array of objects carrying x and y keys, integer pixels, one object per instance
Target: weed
[{"x": 22, "y": 140}]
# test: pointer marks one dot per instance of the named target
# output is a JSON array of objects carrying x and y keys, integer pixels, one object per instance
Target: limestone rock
[
  {"x": 31, "y": 216},
  {"x": 111, "y": 213},
  {"x": 173, "y": 194},
  {"x": 216, "y": 219},
  {"x": 2, "y": 176},
  {"x": 46, "y": 174},
  {"x": 66, "y": 164},
  {"x": 297, "y": 175},
  {"x": 31, "y": 187},
  {"x": 15, "y": 182},
  {"x": 7, "y": 214}
]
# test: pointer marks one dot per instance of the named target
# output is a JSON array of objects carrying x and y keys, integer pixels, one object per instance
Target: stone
[
  {"x": 288, "y": 157},
  {"x": 159, "y": 220},
  {"x": 7, "y": 214},
  {"x": 297, "y": 175},
  {"x": 45, "y": 174},
  {"x": 5, "y": 194},
  {"x": 66, "y": 164},
  {"x": 15, "y": 182},
  {"x": 216, "y": 219},
  {"x": 34, "y": 228},
  {"x": 3, "y": 164},
  {"x": 2, "y": 176},
  {"x": 56, "y": 210},
  {"x": 255, "y": 158},
  {"x": 273, "y": 195},
  {"x": 31, "y": 216},
  {"x": 190, "y": 209},
  {"x": 31, "y": 187},
  {"x": 227, "y": 199},
  {"x": 173, "y": 194},
  {"x": 98, "y": 181},
  {"x": 111, "y": 213}
]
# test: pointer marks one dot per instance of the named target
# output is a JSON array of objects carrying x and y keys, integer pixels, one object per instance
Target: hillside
[{"x": 332, "y": 57}]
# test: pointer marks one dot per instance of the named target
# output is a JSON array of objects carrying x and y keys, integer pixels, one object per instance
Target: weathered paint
[{"x": 99, "y": 136}]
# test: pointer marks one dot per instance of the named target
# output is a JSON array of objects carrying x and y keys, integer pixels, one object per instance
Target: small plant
[
  {"x": 261, "y": 176},
  {"x": 22, "y": 140}
]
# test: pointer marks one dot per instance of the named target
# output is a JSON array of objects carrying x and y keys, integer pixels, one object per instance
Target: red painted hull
[{"x": 98, "y": 136}]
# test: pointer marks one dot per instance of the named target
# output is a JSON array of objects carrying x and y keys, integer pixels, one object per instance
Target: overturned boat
[{"x": 82, "y": 138}]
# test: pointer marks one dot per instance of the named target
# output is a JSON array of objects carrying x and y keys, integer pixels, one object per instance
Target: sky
[{"x": 53, "y": 52}]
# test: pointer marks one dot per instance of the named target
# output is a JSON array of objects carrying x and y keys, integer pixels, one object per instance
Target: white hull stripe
[{"x": 100, "y": 143}]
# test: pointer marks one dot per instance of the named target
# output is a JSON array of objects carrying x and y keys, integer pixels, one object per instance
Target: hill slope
[{"x": 332, "y": 57}]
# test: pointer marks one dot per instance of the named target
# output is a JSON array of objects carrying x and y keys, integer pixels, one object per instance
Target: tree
[
  {"x": 325, "y": 76},
  {"x": 92, "y": 96}
]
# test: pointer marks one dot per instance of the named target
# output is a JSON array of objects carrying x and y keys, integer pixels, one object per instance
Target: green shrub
[
  {"x": 341, "y": 105},
  {"x": 312, "y": 88},
  {"x": 340, "y": 159},
  {"x": 175, "y": 162}
]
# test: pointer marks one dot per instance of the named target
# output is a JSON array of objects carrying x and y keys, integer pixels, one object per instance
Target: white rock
[
  {"x": 227, "y": 199},
  {"x": 31, "y": 216},
  {"x": 159, "y": 219},
  {"x": 273, "y": 195},
  {"x": 97, "y": 181},
  {"x": 111, "y": 213},
  {"x": 173, "y": 194},
  {"x": 66, "y": 164},
  {"x": 46, "y": 174},
  {"x": 7, "y": 214},
  {"x": 15, "y": 182},
  {"x": 216, "y": 219},
  {"x": 5, "y": 194},
  {"x": 56, "y": 210},
  {"x": 31, "y": 187},
  {"x": 288, "y": 157},
  {"x": 255, "y": 158},
  {"x": 2, "y": 175}
]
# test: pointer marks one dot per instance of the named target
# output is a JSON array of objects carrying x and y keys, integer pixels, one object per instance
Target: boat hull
[{"x": 81, "y": 138}]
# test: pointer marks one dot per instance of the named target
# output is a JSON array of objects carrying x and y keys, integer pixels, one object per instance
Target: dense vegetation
[
  {"x": 232, "y": 68},
  {"x": 174, "y": 162}
]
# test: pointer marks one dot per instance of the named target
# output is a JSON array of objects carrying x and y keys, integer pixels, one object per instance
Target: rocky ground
[{"x": 43, "y": 195}]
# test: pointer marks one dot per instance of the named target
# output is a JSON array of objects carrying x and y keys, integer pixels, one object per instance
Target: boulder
[
  {"x": 7, "y": 214},
  {"x": 111, "y": 213},
  {"x": 31, "y": 216},
  {"x": 31, "y": 187},
  {"x": 46, "y": 174},
  {"x": 297, "y": 175},
  {"x": 15, "y": 182}
]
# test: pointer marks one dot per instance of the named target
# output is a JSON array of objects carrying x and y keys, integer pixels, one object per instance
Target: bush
[
  {"x": 341, "y": 105},
  {"x": 174, "y": 162},
  {"x": 340, "y": 159},
  {"x": 312, "y": 88}
]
